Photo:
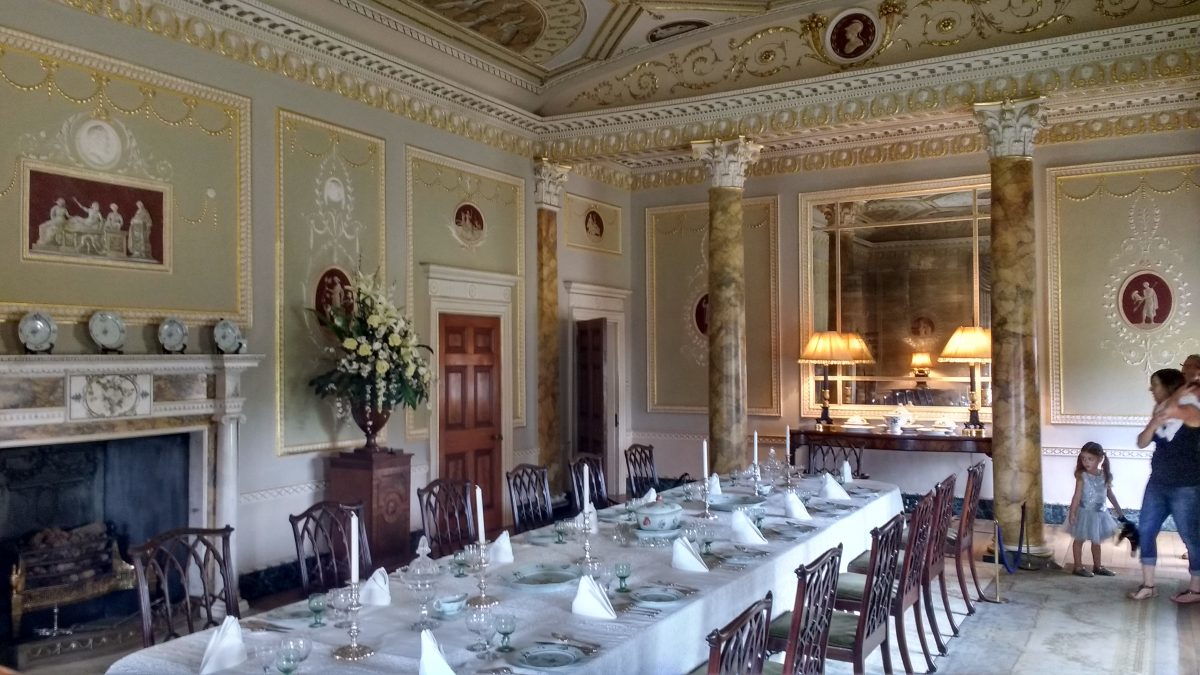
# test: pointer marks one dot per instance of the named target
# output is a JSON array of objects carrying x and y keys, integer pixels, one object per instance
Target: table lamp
[
  {"x": 921, "y": 364},
  {"x": 829, "y": 348},
  {"x": 971, "y": 345}
]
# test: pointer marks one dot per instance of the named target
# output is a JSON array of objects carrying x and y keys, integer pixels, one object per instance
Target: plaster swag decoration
[
  {"x": 727, "y": 161},
  {"x": 548, "y": 181},
  {"x": 1009, "y": 126}
]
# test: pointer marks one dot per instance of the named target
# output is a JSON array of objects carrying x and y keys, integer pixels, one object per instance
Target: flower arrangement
[{"x": 380, "y": 365}]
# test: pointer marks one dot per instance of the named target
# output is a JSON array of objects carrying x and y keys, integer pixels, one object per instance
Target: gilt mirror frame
[{"x": 810, "y": 404}]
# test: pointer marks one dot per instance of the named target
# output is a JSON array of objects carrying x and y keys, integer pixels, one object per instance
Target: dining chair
[
  {"x": 740, "y": 648},
  {"x": 854, "y": 635},
  {"x": 322, "y": 536},
  {"x": 182, "y": 576},
  {"x": 643, "y": 474},
  {"x": 529, "y": 490},
  {"x": 827, "y": 455},
  {"x": 808, "y": 622},
  {"x": 961, "y": 539},
  {"x": 447, "y": 516},
  {"x": 599, "y": 492},
  {"x": 936, "y": 565}
]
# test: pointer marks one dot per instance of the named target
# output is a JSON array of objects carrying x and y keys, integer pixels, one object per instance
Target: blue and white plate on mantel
[
  {"x": 733, "y": 502},
  {"x": 543, "y": 576}
]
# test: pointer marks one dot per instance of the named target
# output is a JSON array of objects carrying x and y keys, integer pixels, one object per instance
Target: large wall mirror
[{"x": 903, "y": 266}]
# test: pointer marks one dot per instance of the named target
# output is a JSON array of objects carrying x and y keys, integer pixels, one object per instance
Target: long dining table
[{"x": 669, "y": 641}]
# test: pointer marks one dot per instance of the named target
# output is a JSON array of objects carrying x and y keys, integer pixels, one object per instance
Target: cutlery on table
[
  {"x": 260, "y": 625},
  {"x": 671, "y": 584},
  {"x": 568, "y": 638}
]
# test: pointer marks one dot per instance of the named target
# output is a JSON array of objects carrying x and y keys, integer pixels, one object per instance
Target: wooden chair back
[
  {"x": 741, "y": 647},
  {"x": 322, "y": 536},
  {"x": 970, "y": 508},
  {"x": 876, "y": 604},
  {"x": 529, "y": 490},
  {"x": 599, "y": 491},
  {"x": 808, "y": 636},
  {"x": 827, "y": 457},
  {"x": 181, "y": 576},
  {"x": 447, "y": 515},
  {"x": 943, "y": 514},
  {"x": 643, "y": 474},
  {"x": 916, "y": 556}
]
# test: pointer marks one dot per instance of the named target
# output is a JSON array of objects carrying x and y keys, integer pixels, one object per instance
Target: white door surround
[
  {"x": 590, "y": 301},
  {"x": 454, "y": 290}
]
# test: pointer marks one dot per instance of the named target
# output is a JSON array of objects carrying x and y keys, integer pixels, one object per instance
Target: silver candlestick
[
  {"x": 483, "y": 599},
  {"x": 353, "y": 651},
  {"x": 587, "y": 539},
  {"x": 707, "y": 515}
]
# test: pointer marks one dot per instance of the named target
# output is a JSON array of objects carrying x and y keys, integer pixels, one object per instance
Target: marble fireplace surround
[{"x": 51, "y": 400}]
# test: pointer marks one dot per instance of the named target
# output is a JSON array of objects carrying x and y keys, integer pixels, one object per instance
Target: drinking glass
[
  {"x": 622, "y": 570},
  {"x": 690, "y": 532},
  {"x": 593, "y": 568},
  {"x": 708, "y": 534},
  {"x": 316, "y": 605},
  {"x": 481, "y": 622},
  {"x": 262, "y": 656},
  {"x": 291, "y": 653},
  {"x": 560, "y": 530},
  {"x": 339, "y": 600},
  {"x": 625, "y": 533},
  {"x": 474, "y": 556},
  {"x": 422, "y": 581},
  {"x": 459, "y": 561},
  {"x": 689, "y": 492},
  {"x": 506, "y": 624}
]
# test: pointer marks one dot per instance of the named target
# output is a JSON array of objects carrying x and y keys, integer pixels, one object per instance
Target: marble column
[
  {"x": 1009, "y": 128},
  {"x": 727, "y": 162},
  {"x": 547, "y": 196}
]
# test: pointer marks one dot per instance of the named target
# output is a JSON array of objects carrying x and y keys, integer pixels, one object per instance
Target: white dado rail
[{"x": 49, "y": 399}]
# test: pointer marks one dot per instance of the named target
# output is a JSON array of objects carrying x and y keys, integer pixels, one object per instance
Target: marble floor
[{"x": 1047, "y": 622}]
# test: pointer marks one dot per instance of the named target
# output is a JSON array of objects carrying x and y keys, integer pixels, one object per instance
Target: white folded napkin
[
  {"x": 592, "y": 601},
  {"x": 685, "y": 556},
  {"x": 432, "y": 661},
  {"x": 650, "y": 497},
  {"x": 831, "y": 490},
  {"x": 375, "y": 590},
  {"x": 500, "y": 552},
  {"x": 794, "y": 508},
  {"x": 847, "y": 474},
  {"x": 745, "y": 531},
  {"x": 714, "y": 484},
  {"x": 225, "y": 649},
  {"x": 590, "y": 508}
]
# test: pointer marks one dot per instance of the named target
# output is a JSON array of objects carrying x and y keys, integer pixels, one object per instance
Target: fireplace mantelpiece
[{"x": 66, "y": 399}]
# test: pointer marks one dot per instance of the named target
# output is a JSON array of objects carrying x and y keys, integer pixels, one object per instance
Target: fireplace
[{"x": 108, "y": 476}]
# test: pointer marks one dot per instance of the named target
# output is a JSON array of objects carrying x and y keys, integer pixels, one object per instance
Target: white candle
[
  {"x": 756, "y": 447},
  {"x": 353, "y": 548},
  {"x": 704, "y": 457},
  {"x": 587, "y": 486},
  {"x": 787, "y": 439},
  {"x": 479, "y": 514}
]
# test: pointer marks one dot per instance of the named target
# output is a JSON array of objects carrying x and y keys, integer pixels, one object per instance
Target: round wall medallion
[
  {"x": 853, "y": 35},
  {"x": 333, "y": 290},
  {"x": 700, "y": 314},
  {"x": 1146, "y": 300},
  {"x": 468, "y": 226},
  {"x": 98, "y": 144},
  {"x": 593, "y": 225}
]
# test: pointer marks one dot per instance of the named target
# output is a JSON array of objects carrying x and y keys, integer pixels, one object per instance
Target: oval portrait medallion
[
  {"x": 593, "y": 225},
  {"x": 333, "y": 290},
  {"x": 1146, "y": 300},
  {"x": 468, "y": 226},
  {"x": 98, "y": 144},
  {"x": 700, "y": 314},
  {"x": 852, "y": 35}
]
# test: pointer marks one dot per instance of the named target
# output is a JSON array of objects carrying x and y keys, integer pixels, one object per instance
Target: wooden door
[
  {"x": 590, "y": 423},
  {"x": 469, "y": 413}
]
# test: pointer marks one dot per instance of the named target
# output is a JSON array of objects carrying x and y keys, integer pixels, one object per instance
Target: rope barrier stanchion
[{"x": 1001, "y": 557}]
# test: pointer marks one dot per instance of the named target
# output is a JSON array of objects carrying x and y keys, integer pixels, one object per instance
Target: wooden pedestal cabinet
[{"x": 380, "y": 480}]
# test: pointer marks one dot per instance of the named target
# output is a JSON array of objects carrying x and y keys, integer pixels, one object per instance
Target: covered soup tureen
[{"x": 659, "y": 515}]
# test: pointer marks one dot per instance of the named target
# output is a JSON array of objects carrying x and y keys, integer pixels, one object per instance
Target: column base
[{"x": 1035, "y": 559}]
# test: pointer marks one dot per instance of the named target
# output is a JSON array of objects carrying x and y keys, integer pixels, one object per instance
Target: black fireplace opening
[{"x": 64, "y": 509}]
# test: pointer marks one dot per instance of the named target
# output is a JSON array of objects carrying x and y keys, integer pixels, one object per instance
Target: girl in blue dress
[{"x": 1088, "y": 520}]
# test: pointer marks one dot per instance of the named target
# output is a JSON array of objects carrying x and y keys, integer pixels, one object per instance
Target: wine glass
[
  {"x": 316, "y": 605},
  {"x": 481, "y": 622},
  {"x": 459, "y": 561},
  {"x": 560, "y": 531},
  {"x": 422, "y": 581},
  {"x": 262, "y": 656},
  {"x": 593, "y": 568},
  {"x": 291, "y": 653},
  {"x": 708, "y": 534},
  {"x": 622, "y": 570},
  {"x": 506, "y": 624},
  {"x": 339, "y": 600}
]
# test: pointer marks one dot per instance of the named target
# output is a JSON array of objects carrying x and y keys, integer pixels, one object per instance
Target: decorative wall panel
[
  {"x": 591, "y": 224},
  {"x": 677, "y": 307},
  {"x": 330, "y": 225},
  {"x": 462, "y": 215},
  {"x": 1122, "y": 242},
  {"x": 109, "y": 175}
]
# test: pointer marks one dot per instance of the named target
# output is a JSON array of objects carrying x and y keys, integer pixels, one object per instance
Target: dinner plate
[
  {"x": 657, "y": 534},
  {"x": 656, "y": 596},
  {"x": 37, "y": 332},
  {"x": 173, "y": 335},
  {"x": 788, "y": 530},
  {"x": 549, "y": 656},
  {"x": 541, "y": 538},
  {"x": 729, "y": 502},
  {"x": 543, "y": 576}
]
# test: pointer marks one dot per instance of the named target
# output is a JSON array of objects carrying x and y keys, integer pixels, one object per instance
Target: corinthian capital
[
  {"x": 1010, "y": 126},
  {"x": 727, "y": 161},
  {"x": 548, "y": 180}
]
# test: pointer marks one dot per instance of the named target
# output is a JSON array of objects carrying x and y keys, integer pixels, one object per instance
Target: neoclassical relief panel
[
  {"x": 677, "y": 307},
  {"x": 591, "y": 224},
  {"x": 109, "y": 175},
  {"x": 1122, "y": 243},
  {"x": 462, "y": 215},
  {"x": 330, "y": 211}
]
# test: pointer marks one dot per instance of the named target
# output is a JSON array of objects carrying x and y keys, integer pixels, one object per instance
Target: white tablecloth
[{"x": 673, "y": 642}]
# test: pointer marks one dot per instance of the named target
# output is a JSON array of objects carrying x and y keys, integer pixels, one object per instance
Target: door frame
[
  {"x": 454, "y": 290},
  {"x": 590, "y": 301}
]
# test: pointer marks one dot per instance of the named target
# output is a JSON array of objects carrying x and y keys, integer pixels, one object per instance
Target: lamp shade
[
  {"x": 921, "y": 361},
  {"x": 832, "y": 347},
  {"x": 969, "y": 344}
]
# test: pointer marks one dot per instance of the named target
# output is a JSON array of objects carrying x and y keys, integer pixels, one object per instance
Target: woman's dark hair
[
  {"x": 1094, "y": 448},
  {"x": 1170, "y": 378}
]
